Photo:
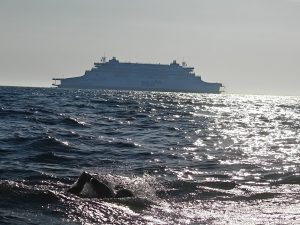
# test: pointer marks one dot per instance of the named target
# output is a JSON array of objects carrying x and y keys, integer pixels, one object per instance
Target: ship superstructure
[{"x": 138, "y": 76}]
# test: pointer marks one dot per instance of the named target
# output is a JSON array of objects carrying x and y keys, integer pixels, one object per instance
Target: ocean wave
[
  {"x": 40, "y": 178},
  {"x": 209, "y": 164},
  {"x": 192, "y": 185},
  {"x": 124, "y": 144},
  {"x": 12, "y": 192},
  {"x": 98, "y": 101},
  {"x": 227, "y": 190},
  {"x": 134, "y": 203},
  {"x": 21, "y": 140},
  {"x": 288, "y": 179},
  {"x": 57, "y": 120},
  {"x": 10, "y": 112},
  {"x": 254, "y": 196},
  {"x": 118, "y": 143},
  {"x": 41, "y": 110},
  {"x": 51, "y": 157},
  {"x": 225, "y": 185},
  {"x": 73, "y": 122},
  {"x": 189, "y": 190},
  {"x": 48, "y": 144},
  {"x": 273, "y": 177},
  {"x": 4, "y": 152},
  {"x": 16, "y": 172}
]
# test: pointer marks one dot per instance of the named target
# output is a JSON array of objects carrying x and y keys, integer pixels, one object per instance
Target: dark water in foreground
[{"x": 190, "y": 158}]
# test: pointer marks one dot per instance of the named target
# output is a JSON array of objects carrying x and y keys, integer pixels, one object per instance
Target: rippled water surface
[{"x": 189, "y": 158}]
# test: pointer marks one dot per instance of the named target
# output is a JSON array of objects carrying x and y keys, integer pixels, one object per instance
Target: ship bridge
[{"x": 57, "y": 81}]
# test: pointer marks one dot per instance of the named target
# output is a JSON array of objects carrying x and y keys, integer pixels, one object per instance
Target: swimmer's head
[{"x": 123, "y": 193}]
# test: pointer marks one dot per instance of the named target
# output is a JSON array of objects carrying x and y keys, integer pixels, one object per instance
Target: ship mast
[{"x": 103, "y": 59}]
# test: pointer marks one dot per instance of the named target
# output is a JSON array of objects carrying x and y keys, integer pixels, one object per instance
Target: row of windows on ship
[{"x": 147, "y": 74}]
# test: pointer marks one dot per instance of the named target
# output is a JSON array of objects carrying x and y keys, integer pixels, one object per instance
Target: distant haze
[{"x": 251, "y": 46}]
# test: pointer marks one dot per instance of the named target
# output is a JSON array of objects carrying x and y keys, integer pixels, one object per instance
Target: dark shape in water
[{"x": 102, "y": 190}]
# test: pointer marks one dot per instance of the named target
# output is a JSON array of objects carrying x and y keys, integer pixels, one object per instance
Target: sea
[{"x": 188, "y": 158}]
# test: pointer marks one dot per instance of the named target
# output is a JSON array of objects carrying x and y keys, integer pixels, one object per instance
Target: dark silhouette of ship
[{"x": 138, "y": 76}]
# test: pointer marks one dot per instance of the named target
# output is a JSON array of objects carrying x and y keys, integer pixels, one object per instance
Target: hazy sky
[{"x": 251, "y": 46}]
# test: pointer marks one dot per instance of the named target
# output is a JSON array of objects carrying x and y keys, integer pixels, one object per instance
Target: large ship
[{"x": 117, "y": 75}]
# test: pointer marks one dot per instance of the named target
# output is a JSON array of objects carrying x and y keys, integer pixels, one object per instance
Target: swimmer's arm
[{"x": 79, "y": 184}]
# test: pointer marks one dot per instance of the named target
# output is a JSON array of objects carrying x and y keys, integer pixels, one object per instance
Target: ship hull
[
  {"x": 141, "y": 85},
  {"x": 209, "y": 91}
]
